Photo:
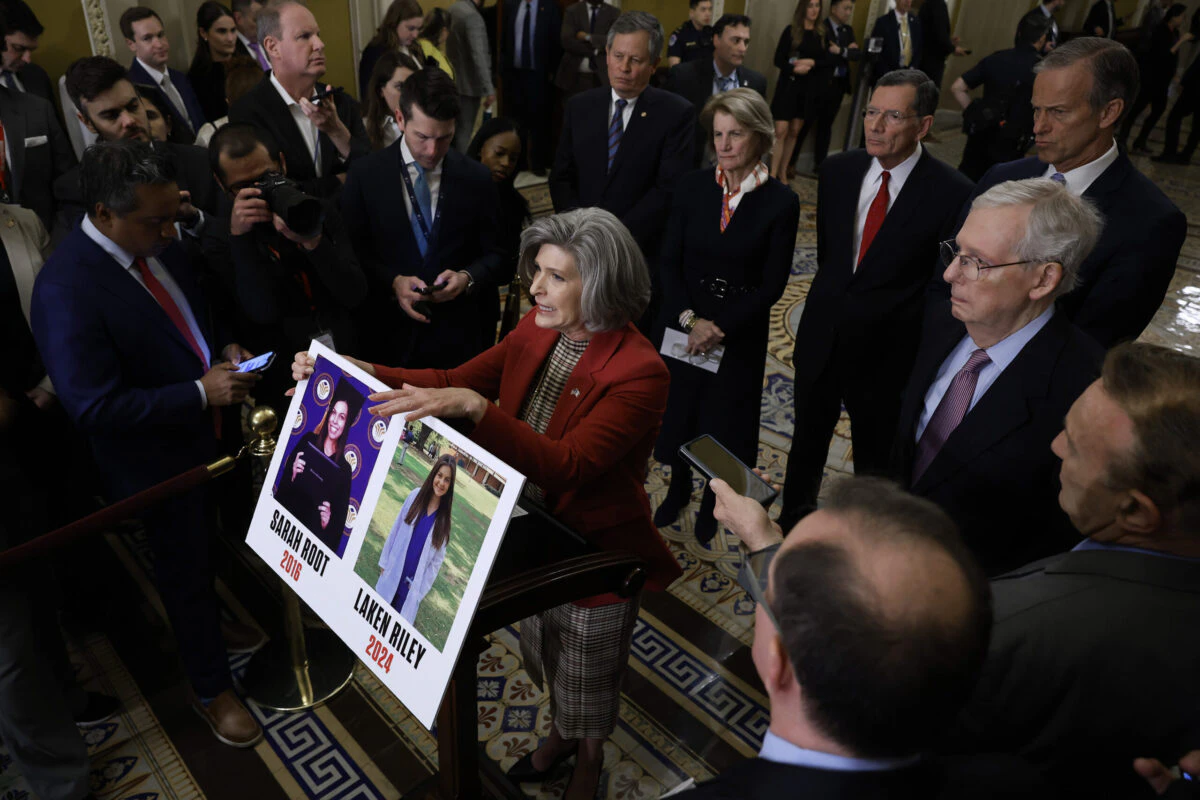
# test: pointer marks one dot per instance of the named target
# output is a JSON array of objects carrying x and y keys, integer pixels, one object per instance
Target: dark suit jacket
[
  {"x": 195, "y": 113},
  {"x": 576, "y": 19},
  {"x": 844, "y": 38},
  {"x": 888, "y": 28},
  {"x": 1124, "y": 280},
  {"x": 122, "y": 370},
  {"x": 1098, "y": 18},
  {"x": 853, "y": 312},
  {"x": 693, "y": 81},
  {"x": 547, "y": 31},
  {"x": 976, "y": 778},
  {"x": 41, "y": 152},
  {"x": 1093, "y": 662},
  {"x": 37, "y": 82},
  {"x": 995, "y": 475},
  {"x": 465, "y": 238},
  {"x": 262, "y": 106},
  {"x": 935, "y": 30},
  {"x": 192, "y": 173},
  {"x": 591, "y": 461},
  {"x": 655, "y": 150}
]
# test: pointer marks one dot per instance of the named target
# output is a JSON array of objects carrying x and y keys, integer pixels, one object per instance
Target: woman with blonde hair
[{"x": 725, "y": 262}]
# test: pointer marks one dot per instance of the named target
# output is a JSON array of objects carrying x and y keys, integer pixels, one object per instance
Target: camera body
[{"x": 303, "y": 214}]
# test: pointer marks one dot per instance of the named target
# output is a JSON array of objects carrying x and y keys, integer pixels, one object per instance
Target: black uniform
[
  {"x": 689, "y": 44},
  {"x": 1007, "y": 80}
]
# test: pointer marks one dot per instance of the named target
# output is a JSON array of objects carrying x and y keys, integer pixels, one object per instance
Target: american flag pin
[
  {"x": 643, "y": 113},
  {"x": 574, "y": 393}
]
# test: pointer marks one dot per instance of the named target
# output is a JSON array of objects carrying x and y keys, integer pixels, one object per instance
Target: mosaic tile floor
[{"x": 692, "y": 705}]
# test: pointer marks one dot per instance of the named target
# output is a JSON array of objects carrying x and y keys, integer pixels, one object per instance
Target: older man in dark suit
[
  {"x": 584, "y": 34},
  {"x": 698, "y": 80},
  {"x": 622, "y": 148},
  {"x": 902, "y": 38},
  {"x": 1094, "y": 656},
  {"x": 997, "y": 370},
  {"x": 319, "y": 140},
  {"x": 429, "y": 254},
  {"x": 1124, "y": 280},
  {"x": 881, "y": 213}
]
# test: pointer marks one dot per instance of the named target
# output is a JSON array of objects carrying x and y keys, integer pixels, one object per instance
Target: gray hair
[
  {"x": 616, "y": 281},
  {"x": 269, "y": 19},
  {"x": 926, "y": 100},
  {"x": 1114, "y": 69},
  {"x": 1062, "y": 228},
  {"x": 110, "y": 173},
  {"x": 634, "y": 21},
  {"x": 751, "y": 112}
]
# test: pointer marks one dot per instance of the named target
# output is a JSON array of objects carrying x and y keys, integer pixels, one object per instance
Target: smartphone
[
  {"x": 428, "y": 290},
  {"x": 258, "y": 363},
  {"x": 715, "y": 461},
  {"x": 322, "y": 92}
]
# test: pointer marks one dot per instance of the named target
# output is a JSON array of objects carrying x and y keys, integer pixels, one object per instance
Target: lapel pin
[
  {"x": 643, "y": 113},
  {"x": 574, "y": 393}
]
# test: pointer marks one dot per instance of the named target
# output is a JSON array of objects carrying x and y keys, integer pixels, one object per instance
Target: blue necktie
[
  {"x": 527, "y": 45},
  {"x": 10, "y": 80},
  {"x": 1058, "y": 177},
  {"x": 425, "y": 201},
  {"x": 615, "y": 129}
]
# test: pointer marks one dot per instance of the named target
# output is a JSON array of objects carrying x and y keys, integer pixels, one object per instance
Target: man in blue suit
[
  {"x": 144, "y": 33},
  {"x": 1080, "y": 93},
  {"x": 124, "y": 332},
  {"x": 902, "y": 39}
]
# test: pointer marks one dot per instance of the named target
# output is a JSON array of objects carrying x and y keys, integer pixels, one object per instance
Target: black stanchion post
[{"x": 866, "y": 79}]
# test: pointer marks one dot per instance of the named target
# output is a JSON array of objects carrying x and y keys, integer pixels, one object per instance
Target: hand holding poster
[{"x": 388, "y": 531}]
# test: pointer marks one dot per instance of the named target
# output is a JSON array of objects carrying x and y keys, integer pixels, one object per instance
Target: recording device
[
  {"x": 258, "y": 363},
  {"x": 875, "y": 44},
  {"x": 713, "y": 460},
  {"x": 300, "y": 212},
  {"x": 323, "y": 92},
  {"x": 428, "y": 290}
]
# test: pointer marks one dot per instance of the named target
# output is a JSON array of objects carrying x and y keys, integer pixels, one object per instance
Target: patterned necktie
[
  {"x": 616, "y": 129},
  {"x": 875, "y": 215},
  {"x": 905, "y": 43},
  {"x": 725, "y": 84},
  {"x": 425, "y": 201},
  {"x": 949, "y": 413},
  {"x": 1058, "y": 177},
  {"x": 527, "y": 44}
]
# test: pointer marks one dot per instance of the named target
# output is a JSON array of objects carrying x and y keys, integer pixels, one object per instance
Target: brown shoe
[
  {"x": 240, "y": 637},
  {"x": 230, "y": 721}
]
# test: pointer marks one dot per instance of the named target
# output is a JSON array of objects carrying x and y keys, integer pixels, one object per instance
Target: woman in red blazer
[{"x": 573, "y": 398}]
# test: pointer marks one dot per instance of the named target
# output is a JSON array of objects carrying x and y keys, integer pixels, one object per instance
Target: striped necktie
[{"x": 615, "y": 130}]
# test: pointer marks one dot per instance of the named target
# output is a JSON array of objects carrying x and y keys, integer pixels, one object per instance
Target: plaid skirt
[{"x": 581, "y": 654}]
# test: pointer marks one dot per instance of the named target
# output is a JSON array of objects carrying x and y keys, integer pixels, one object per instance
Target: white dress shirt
[
  {"x": 308, "y": 128},
  {"x": 126, "y": 261},
  {"x": 626, "y": 115},
  {"x": 1080, "y": 178},
  {"x": 433, "y": 178},
  {"x": 781, "y": 751},
  {"x": 870, "y": 188},
  {"x": 1002, "y": 353},
  {"x": 172, "y": 94},
  {"x": 391, "y": 131},
  {"x": 718, "y": 77}
]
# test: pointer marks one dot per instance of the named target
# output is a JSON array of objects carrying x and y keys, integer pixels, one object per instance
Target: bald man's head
[{"x": 884, "y": 616}]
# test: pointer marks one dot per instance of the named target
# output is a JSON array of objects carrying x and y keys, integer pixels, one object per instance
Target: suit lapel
[
  {"x": 1003, "y": 408},
  {"x": 523, "y": 368},
  {"x": 1109, "y": 181},
  {"x": 581, "y": 383},
  {"x": 275, "y": 108},
  {"x": 14, "y": 134},
  {"x": 175, "y": 263},
  {"x": 409, "y": 243},
  {"x": 639, "y": 120},
  {"x": 906, "y": 204},
  {"x": 940, "y": 339},
  {"x": 842, "y": 218}
]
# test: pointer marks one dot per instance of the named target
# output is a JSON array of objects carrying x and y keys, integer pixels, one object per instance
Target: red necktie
[
  {"x": 875, "y": 215},
  {"x": 168, "y": 305}
]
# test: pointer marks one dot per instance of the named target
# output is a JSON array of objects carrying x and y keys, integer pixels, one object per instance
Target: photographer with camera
[
  {"x": 431, "y": 253},
  {"x": 288, "y": 263}
]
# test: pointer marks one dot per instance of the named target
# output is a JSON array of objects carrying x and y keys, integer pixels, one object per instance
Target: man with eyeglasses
[
  {"x": 998, "y": 368},
  {"x": 880, "y": 215}
]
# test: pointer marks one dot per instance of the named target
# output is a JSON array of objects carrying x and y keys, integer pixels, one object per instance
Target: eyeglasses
[
  {"x": 890, "y": 118},
  {"x": 752, "y": 576},
  {"x": 971, "y": 267}
]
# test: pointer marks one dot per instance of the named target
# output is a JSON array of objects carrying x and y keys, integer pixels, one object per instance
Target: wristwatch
[{"x": 470, "y": 281}]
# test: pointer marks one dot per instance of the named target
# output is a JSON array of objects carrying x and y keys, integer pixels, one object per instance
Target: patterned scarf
[{"x": 757, "y": 177}]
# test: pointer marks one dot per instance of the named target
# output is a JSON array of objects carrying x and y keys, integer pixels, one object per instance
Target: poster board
[{"x": 387, "y": 530}]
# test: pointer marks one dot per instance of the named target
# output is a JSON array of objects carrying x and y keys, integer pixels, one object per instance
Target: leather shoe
[
  {"x": 523, "y": 771},
  {"x": 241, "y": 638},
  {"x": 230, "y": 721},
  {"x": 99, "y": 708}
]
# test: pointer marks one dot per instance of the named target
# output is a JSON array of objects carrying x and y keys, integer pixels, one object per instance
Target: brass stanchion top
[{"x": 263, "y": 422}]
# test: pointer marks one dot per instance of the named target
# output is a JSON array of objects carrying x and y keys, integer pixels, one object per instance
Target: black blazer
[
  {"x": 693, "y": 81},
  {"x": 1098, "y": 18},
  {"x": 935, "y": 30},
  {"x": 547, "y": 49},
  {"x": 888, "y": 27},
  {"x": 465, "y": 238},
  {"x": 1093, "y": 661},
  {"x": 41, "y": 151},
  {"x": 262, "y": 106},
  {"x": 655, "y": 150},
  {"x": 37, "y": 82},
  {"x": 857, "y": 311},
  {"x": 843, "y": 39},
  {"x": 1124, "y": 280},
  {"x": 192, "y": 172},
  {"x": 995, "y": 475}
]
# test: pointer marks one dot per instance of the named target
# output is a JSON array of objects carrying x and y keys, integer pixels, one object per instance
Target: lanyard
[{"x": 412, "y": 196}]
